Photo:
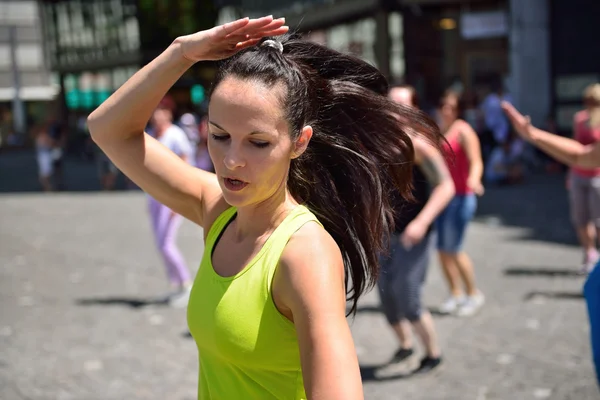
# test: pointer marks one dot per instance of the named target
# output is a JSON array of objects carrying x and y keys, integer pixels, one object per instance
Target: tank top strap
[
  {"x": 298, "y": 217},
  {"x": 218, "y": 226}
]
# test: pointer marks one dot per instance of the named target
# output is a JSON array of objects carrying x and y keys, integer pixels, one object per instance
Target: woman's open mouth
[{"x": 234, "y": 184}]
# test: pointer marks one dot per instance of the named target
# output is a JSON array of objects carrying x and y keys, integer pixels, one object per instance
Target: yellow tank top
[{"x": 247, "y": 348}]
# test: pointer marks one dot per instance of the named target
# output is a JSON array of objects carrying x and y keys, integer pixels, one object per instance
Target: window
[
  {"x": 28, "y": 34},
  {"x": 34, "y": 79},
  {"x": 29, "y": 56},
  {"x": 397, "y": 63},
  {"x": 5, "y": 58},
  {"x": 357, "y": 38},
  {"x": 18, "y": 12}
]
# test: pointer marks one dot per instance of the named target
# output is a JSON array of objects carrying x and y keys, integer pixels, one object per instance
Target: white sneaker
[
  {"x": 181, "y": 298},
  {"x": 452, "y": 304},
  {"x": 471, "y": 305}
]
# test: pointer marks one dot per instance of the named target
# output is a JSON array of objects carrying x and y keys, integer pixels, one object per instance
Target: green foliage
[{"x": 161, "y": 21}]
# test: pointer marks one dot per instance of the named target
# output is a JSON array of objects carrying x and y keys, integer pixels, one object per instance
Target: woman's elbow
[
  {"x": 102, "y": 128},
  {"x": 449, "y": 189},
  {"x": 94, "y": 125}
]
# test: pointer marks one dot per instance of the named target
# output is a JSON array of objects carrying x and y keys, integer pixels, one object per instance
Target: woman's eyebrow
[{"x": 224, "y": 130}]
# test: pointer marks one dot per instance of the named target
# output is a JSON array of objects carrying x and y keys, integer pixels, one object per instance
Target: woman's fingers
[
  {"x": 238, "y": 38},
  {"x": 254, "y": 30},
  {"x": 231, "y": 27},
  {"x": 246, "y": 44},
  {"x": 244, "y": 41},
  {"x": 246, "y": 32},
  {"x": 253, "y": 25},
  {"x": 515, "y": 116},
  {"x": 275, "y": 32},
  {"x": 276, "y": 23}
]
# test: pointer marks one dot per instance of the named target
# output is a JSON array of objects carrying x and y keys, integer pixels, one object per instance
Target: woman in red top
[
  {"x": 463, "y": 155},
  {"x": 584, "y": 183}
]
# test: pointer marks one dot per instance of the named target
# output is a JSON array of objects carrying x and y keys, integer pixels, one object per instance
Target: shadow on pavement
[
  {"x": 435, "y": 311},
  {"x": 541, "y": 271},
  {"x": 368, "y": 374},
  {"x": 554, "y": 295},
  {"x": 122, "y": 301},
  {"x": 540, "y": 205},
  {"x": 368, "y": 309}
]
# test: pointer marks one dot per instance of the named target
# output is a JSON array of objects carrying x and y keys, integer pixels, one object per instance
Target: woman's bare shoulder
[{"x": 312, "y": 247}]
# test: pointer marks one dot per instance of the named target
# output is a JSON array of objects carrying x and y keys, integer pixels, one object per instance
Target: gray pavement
[{"x": 79, "y": 278}]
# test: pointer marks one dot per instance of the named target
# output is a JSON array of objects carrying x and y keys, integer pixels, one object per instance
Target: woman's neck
[
  {"x": 261, "y": 219},
  {"x": 446, "y": 126}
]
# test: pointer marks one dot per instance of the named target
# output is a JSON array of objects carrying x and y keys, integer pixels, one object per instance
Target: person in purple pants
[{"x": 165, "y": 222}]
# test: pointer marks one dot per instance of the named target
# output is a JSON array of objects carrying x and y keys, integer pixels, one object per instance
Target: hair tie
[{"x": 274, "y": 44}]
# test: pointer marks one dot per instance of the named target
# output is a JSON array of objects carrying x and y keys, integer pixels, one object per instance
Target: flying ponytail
[{"x": 360, "y": 151}]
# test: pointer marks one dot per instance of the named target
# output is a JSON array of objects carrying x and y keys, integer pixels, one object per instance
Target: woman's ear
[{"x": 302, "y": 141}]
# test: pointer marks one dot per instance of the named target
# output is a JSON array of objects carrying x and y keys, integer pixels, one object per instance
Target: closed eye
[
  {"x": 260, "y": 144},
  {"x": 220, "y": 137},
  {"x": 224, "y": 137}
]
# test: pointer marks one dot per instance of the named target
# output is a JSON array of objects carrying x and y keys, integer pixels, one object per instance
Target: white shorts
[{"x": 45, "y": 161}]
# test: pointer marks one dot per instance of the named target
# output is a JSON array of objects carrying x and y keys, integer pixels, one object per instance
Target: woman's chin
[{"x": 234, "y": 199}]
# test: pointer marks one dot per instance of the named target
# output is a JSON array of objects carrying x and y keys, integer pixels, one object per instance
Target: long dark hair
[{"x": 359, "y": 152}]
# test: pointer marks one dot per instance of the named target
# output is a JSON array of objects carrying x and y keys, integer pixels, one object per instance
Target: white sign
[{"x": 481, "y": 25}]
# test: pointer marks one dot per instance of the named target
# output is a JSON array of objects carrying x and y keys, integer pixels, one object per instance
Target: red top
[
  {"x": 457, "y": 160},
  {"x": 585, "y": 135}
]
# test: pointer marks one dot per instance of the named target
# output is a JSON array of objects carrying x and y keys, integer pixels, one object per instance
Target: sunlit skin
[
  {"x": 566, "y": 150},
  {"x": 401, "y": 96},
  {"x": 255, "y": 147},
  {"x": 249, "y": 140}
]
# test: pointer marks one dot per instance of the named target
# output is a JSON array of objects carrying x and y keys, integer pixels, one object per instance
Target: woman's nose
[{"x": 234, "y": 158}]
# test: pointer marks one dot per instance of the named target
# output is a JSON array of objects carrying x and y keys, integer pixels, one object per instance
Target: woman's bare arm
[
  {"x": 432, "y": 163},
  {"x": 565, "y": 150},
  {"x": 309, "y": 284},
  {"x": 117, "y": 126}
]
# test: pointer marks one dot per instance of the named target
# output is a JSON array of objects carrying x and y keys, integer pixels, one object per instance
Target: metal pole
[
  {"x": 18, "y": 109},
  {"x": 382, "y": 41}
]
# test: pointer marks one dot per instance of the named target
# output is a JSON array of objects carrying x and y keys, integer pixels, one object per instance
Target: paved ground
[{"x": 78, "y": 274}]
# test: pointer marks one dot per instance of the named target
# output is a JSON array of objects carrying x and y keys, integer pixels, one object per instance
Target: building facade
[
  {"x": 575, "y": 55},
  {"x": 432, "y": 44},
  {"x": 545, "y": 50},
  {"x": 94, "y": 46},
  {"x": 26, "y": 84},
  {"x": 542, "y": 49}
]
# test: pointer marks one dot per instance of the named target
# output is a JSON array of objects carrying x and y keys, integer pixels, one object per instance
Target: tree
[{"x": 161, "y": 21}]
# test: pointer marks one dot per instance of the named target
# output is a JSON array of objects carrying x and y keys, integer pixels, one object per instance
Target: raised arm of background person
[
  {"x": 566, "y": 150},
  {"x": 472, "y": 147},
  {"x": 117, "y": 126},
  {"x": 309, "y": 286}
]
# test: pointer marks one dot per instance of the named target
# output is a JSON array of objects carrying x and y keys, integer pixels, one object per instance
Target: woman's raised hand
[
  {"x": 225, "y": 40},
  {"x": 520, "y": 122}
]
